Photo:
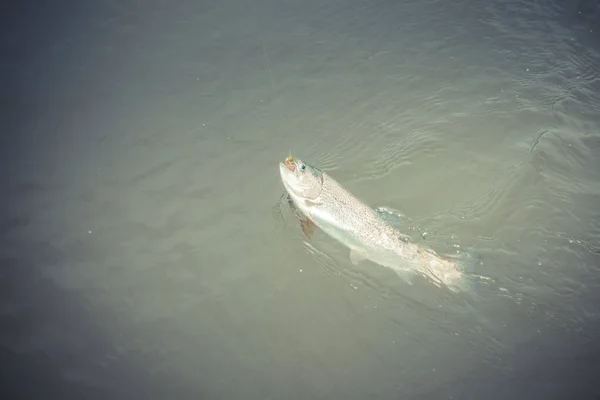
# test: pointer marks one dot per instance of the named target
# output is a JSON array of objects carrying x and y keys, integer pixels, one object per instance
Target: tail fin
[{"x": 470, "y": 263}]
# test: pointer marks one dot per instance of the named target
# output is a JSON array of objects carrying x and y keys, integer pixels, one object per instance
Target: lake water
[{"x": 146, "y": 253}]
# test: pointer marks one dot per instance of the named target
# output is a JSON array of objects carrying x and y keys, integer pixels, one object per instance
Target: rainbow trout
[{"x": 322, "y": 201}]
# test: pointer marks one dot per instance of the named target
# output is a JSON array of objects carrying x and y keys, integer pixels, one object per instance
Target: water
[{"x": 144, "y": 253}]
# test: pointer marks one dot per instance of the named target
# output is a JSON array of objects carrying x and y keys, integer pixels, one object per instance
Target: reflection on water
[{"x": 146, "y": 250}]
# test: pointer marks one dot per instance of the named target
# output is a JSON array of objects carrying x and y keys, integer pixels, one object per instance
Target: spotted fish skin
[{"x": 344, "y": 217}]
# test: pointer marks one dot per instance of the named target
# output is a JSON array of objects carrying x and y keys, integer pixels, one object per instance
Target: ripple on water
[
  {"x": 354, "y": 137},
  {"x": 552, "y": 85}
]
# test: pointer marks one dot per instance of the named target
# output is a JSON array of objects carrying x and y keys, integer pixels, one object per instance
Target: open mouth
[{"x": 290, "y": 163}]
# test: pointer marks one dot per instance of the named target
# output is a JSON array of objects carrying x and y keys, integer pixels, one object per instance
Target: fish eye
[{"x": 303, "y": 167}]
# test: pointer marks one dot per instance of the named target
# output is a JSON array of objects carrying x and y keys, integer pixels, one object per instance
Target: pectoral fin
[
  {"x": 308, "y": 227},
  {"x": 312, "y": 203},
  {"x": 357, "y": 256}
]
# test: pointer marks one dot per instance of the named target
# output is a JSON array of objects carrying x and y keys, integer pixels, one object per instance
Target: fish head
[{"x": 301, "y": 179}]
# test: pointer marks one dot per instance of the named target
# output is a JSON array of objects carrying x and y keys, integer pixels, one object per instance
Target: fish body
[{"x": 336, "y": 211}]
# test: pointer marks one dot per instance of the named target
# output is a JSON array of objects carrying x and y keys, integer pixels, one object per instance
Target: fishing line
[
  {"x": 268, "y": 65},
  {"x": 262, "y": 41}
]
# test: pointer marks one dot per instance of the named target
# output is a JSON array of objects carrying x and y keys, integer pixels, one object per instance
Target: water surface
[{"x": 145, "y": 253}]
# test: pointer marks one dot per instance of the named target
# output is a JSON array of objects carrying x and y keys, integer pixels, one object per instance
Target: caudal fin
[
  {"x": 470, "y": 264},
  {"x": 469, "y": 261}
]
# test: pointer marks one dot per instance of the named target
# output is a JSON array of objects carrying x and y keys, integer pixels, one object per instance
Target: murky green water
[{"x": 144, "y": 249}]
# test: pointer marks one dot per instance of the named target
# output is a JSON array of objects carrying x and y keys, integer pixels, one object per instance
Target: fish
[{"x": 324, "y": 203}]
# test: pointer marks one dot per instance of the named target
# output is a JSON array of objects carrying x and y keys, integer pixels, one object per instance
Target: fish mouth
[
  {"x": 289, "y": 169},
  {"x": 285, "y": 170},
  {"x": 290, "y": 163}
]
